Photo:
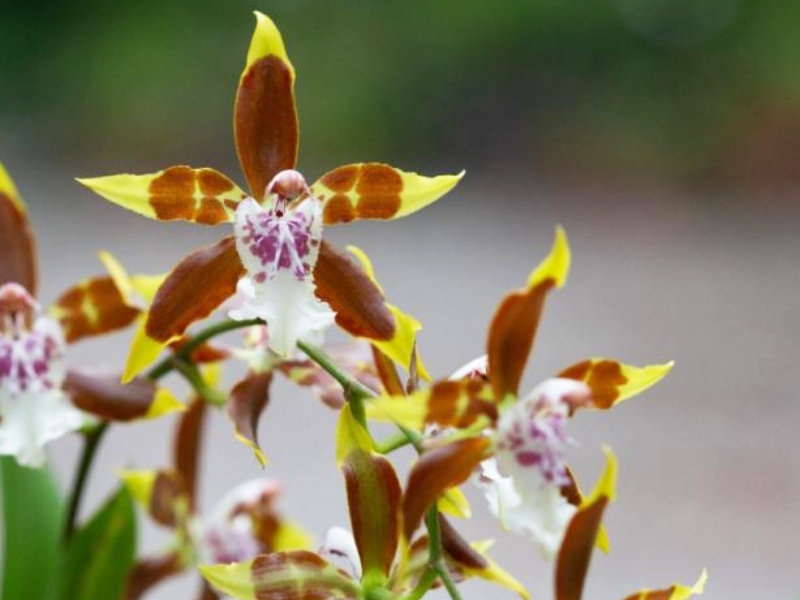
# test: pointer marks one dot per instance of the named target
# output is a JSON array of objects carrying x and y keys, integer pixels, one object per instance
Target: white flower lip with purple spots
[
  {"x": 278, "y": 246},
  {"x": 33, "y": 408},
  {"x": 522, "y": 483}
]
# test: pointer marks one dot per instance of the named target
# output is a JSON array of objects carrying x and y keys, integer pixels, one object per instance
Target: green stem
[
  {"x": 447, "y": 580},
  {"x": 195, "y": 378},
  {"x": 354, "y": 391},
  {"x": 393, "y": 443},
  {"x": 197, "y": 340},
  {"x": 426, "y": 581},
  {"x": 91, "y": 441}
]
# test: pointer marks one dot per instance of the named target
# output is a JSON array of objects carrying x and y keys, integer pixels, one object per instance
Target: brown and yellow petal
[
  {"x": 17, "y": 246},
  {"x": 436, "y": 471},
  {"x": 580, "y": 538},
  {"x": 373, "y": 495},
  {"x": 265, "y": 118},
  {"x": 458, "y": 404},
  {"x": 612, "y": 382},
  {"x": 358, "y": 303},
  {"x": 105, "y": 397},
  {"x": 191, "y": 292},
  {"x": 181, "y": 193},
  {"x": 93, "y": 307},
  {"x": 377, "y": 191},
  {"x": 674, "y": 592},
  {"x": 514, "y": 325},
  {"x": 247, "y": 401},
  {"x": 297, "y": 575}
]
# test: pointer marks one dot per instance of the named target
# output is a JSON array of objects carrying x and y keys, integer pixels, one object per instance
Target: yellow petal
[
  {"x": 143, "y": 352},
  {"x": 8, "y": 188},
  {"x": 140, "y": 485},
  {"x": 267, "y": 40},
  {"x": 164, "y": 403},
  {"x": 232, "y": 580},
  {"x": 453, "y": 502},
  {"x": 202, "y": 196},
  {"x": 350, "y": 435},
  {"x": 496, "y": 574},
  {"x": 556, "y": 265},
  {"x": 291, "y": 536},
  {"x": 377, "y": 191},
  {"x": 606, "y": 484}
]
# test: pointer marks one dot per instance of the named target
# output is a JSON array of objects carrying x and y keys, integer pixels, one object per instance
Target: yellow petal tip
[{"x": 555, "y": 266}]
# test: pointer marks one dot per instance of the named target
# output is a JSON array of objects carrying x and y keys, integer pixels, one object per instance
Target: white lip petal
[
  {"x": 339, "y": 542},
  {"x": 31, "y": 420},
  {"x": 477, "y": 367},
  {"x": 534, "y": 508},
  {"x": 279, "y": 252}
]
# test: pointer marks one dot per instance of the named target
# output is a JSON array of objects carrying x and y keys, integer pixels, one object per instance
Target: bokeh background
[{"x": 665, "y": 136}]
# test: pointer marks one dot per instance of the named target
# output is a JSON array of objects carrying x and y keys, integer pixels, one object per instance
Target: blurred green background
[{"x": 693, "y": 92}]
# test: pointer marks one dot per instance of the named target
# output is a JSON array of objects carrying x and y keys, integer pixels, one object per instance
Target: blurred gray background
[{"x": 660, "y": 137}]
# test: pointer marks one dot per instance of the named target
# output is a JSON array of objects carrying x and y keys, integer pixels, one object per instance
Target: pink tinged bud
[
  {"x": 17, "y": 307},
  {"x": 287, "y": 185}
]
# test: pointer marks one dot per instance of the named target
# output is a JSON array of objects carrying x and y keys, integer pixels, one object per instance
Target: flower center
[
  {"x": 282, "y": 237},
  {"x": 30, "y": 344},
  {"x": 533, "y": 432}
]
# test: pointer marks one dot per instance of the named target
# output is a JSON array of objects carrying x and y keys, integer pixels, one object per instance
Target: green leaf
[
  {"x": 100, "y": 555},
  {"x": 32, "y": 513}
]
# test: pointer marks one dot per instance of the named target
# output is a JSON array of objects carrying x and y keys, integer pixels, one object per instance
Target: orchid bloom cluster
[{"x": 275, "y": 277}]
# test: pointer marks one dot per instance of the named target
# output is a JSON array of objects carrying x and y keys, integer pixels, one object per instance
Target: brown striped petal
[
  {"x": 92, "y": 307},
  {"x": 612, "y": 382},
  {"x": 297, "y": 575},
  {"x": 105, "y": 397},
  {"x": 373, "y": 495},
  {"x": 247, "y": 401},
  {"x": 377, "y": 191},
  {"x": 358, "y": 303},
  {"x": 436, "y": 471},
  {"x": 17, "y": 246},
  {"x": 514, "y": 325},
  {"x": 167, "y": 494},
  {"x": 180, "y": 193},
  {"x": 187, "y": 447},
  {"x": 146, "y": 573},
  {"x": 580, "y": 537},
  {"x": 265, "y": 119}
]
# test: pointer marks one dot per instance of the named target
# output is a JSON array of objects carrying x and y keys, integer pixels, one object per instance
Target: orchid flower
[
  {"x": 371, "y": 548},
  {"x": 516, "y": 445},
  {"x": 292, "y": 278},
  {"x": 243, "y": 524},
  {"x": 40, "y": 400}
]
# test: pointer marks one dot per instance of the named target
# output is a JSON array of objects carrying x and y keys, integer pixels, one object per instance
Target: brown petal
[
  {"x": 458, "y": 549},
  {"x": 194, "y": 288},
  {"x": 511, "y": 336},
  {"x": 205, "y": 353},
  {"x": 168, "y": 491},
  {"x": 92, "y": 307},
  {"x": 358, "y": 303},
  {"x": 105, "y": 397},
  {"x": 265, "y": 121},
  {"x": 436, "y": 471},
  {"x": 373, "y": 495},
  {"x": 388, "y": 373},
  {"x": 247, "y": 401},
  {"x": 17, "y": 247},
  {"x": 148, "y": 572},
  {"x": 187, "y": 447}
]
